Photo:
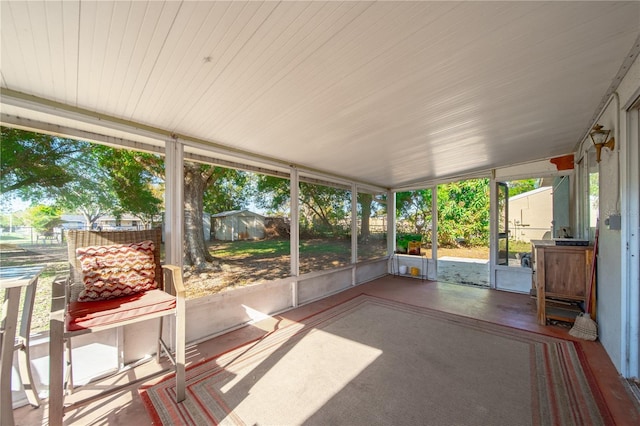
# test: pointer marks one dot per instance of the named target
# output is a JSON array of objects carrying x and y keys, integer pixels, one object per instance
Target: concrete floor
[{"x": 125, "y": 407}]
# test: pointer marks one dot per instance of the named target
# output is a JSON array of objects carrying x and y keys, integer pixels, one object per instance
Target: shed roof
[{"x": 530, "y": 193}]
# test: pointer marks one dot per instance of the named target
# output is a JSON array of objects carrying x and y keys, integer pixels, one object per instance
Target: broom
[{"x": 584, "y": 327}]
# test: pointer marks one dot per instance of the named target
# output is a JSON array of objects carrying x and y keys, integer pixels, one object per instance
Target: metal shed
[{"x": 237, "y": 225}]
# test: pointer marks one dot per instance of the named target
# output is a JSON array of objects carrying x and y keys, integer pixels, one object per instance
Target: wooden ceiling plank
[
  {"x": 335, "y": 18},
  {"x": 148, "y": 27},
  {"x": 116, "y": 53},
  {"x": 247, "y": 72},
  {"x": 232, "y": 44},
  {"x": 18, "y": 51},
  {"x": 125, "y": 61},
  {"x": 86, "y": 47},
  {"x": 42, "y": 55},
  {"x": 160, "y": 33},
  {"x": 191, "y": 36}
]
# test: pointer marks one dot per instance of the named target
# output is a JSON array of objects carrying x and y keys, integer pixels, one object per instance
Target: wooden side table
[
  {"x": 561, "y": 278},
  {"x": 12, "y": 281}
]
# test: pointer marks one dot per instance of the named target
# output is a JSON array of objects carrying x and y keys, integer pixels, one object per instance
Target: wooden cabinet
[{"x": 561, "y": 276}]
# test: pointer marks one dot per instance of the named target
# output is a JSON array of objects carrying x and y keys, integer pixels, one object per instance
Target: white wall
[
  {"x": 616, "y": 172},
  {"x": 630, "y": 207},
  {"x": 533, "y": 209}
]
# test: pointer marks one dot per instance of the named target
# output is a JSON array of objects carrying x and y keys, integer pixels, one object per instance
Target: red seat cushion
[{"x": 87, "y": 315}]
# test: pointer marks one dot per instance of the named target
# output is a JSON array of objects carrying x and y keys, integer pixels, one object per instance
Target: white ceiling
[{"x": 388, "y": 93}]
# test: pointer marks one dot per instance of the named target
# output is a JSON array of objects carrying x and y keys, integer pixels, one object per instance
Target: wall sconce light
[{"x": 599, "y": 138}]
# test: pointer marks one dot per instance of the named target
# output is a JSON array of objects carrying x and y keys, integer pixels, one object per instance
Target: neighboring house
[
  {"x": 73, "y": 221},
  {"x": 531, "y": 214},
  {"x": 126, "y": 222},
  {"x": 237, "y": 225},
  {"x": 123, "y": 223}
]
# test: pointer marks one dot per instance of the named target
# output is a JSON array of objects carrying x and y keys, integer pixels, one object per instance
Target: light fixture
[{"x": 599, "y": 138}]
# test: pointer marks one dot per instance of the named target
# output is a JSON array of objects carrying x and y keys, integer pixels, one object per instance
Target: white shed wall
[
  {"x": 534, "y": 210},
  {"x": 239, "y": 227}
]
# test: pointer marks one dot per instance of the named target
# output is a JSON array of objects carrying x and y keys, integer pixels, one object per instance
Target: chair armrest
[
  {"x": 176, "y": 280},
  {"x": 56, "y": 350},
  {"x": 58, "y": 298},
  {"x": 180, "y": 329}
]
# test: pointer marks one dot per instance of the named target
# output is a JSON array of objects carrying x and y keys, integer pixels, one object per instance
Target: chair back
[{"x": 78, "y": 239}]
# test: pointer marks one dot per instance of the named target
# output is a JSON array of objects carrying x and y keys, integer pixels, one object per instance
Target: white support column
[
  {"x": 354, "y": 230},
  {"x": 391, "y": 222},
  {"x": 354, "y": 223},
  {"x": 434, "y": 230},
  {"x": 629, "y": 138},
  {"x": 493, "y": 229},
  {"x": 294, "y": 240},
  {"x": 174, "y": 202}
]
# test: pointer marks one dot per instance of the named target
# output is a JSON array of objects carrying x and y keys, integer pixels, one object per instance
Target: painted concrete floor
[{"x": 125, "y": 407}]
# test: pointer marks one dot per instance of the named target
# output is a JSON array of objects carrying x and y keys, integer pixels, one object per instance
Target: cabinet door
[{"x": 565, "y": 273}]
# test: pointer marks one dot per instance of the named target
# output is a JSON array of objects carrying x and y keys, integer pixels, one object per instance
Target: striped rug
[{"x": 371, "y": 361}]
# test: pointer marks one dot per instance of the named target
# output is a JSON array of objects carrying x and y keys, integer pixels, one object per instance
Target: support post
[
  {"x": 174, "y": 202},
  {"x": 294, "y": 240},
  {"x": 391, "y": 222},
  {"x": 493, "y": 229},
  {"x": 434, "y": 230},
  {"x": 354, "y": 231}
]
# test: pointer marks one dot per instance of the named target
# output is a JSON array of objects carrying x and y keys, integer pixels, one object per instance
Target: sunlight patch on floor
[
  {"x": 302, "y": 371},
  {"x": 254, "y": 314}
]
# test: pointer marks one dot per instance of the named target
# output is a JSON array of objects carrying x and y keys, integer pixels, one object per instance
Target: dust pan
[{"x": 584, "y": 327}]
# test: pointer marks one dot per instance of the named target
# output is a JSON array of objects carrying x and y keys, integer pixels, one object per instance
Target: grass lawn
[
  {"x": 22, "y": 238},
  {"x": 274, "y": 248},
  {"x": 243, "y": 249}
]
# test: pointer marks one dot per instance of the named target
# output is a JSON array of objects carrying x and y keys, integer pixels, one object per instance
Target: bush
[{"x": 402, "y": 241}]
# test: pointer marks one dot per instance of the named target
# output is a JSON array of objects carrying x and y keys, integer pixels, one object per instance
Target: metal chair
[{"x": 70, "y": 317}]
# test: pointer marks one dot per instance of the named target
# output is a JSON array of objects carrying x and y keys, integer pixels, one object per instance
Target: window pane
[
  {"x": 533, "y": 206},
  {"x": 325, "y": 227},
  {"x": 105, "y": 196},
  {"x": 249, "y": 229},
  {"x": 413, "y": 221},
  {"x": 463, "y": 232},
  {"x": 594, "y": 192},
  {"x": 372, "y": 226}
]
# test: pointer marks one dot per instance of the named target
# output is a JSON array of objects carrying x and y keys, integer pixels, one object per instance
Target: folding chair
[{"x": 115, "y": 279}]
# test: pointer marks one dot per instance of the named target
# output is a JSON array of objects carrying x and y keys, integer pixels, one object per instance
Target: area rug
[{"x": 372, "y": 361}]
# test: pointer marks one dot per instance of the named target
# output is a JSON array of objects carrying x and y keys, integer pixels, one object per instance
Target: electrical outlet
[{"x": 614, "y": 222}]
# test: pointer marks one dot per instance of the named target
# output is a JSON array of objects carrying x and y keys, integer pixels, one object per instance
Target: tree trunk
[
  {"x": 195, "y": 183},
  {"x": 365, "y": 203}
]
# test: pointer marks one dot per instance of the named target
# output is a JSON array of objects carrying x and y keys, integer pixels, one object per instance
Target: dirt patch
[
  {"x": 465, "y": 252},
  {"x": 232, "y": 273}
]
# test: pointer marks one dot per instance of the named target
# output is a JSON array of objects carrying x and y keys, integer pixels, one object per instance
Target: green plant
[
  {"x": 402, "y": 241},
  {"x": 43, "y": 218}
]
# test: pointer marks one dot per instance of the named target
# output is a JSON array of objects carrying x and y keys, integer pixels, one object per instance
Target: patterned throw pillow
[{"x": 116, "y": 270}]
